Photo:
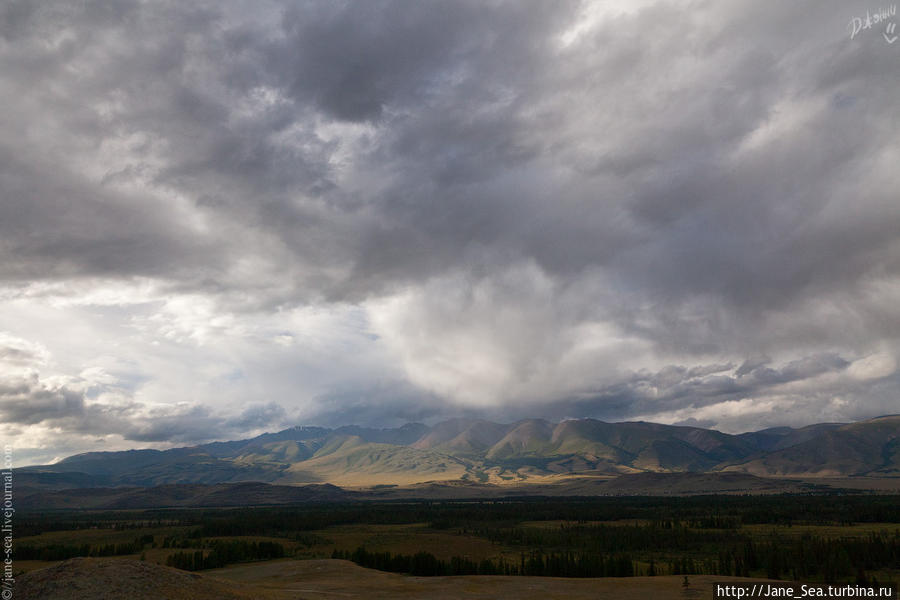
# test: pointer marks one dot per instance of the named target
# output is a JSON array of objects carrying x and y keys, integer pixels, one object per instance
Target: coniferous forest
[{"x": 812, "y": 538}]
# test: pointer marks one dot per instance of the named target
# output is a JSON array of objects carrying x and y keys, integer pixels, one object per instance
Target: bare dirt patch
[
  {"x": 112, "y": 579},
  {"x": 342, "y": 579}
]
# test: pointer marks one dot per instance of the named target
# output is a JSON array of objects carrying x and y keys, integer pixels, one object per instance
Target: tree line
[
  {"x": 610, "y": 551},
  {"x": 67, "y": 551},
  {"x": 709, "y": 512},
  {"x": 534, "y": 563},
  {"x": 222, "y": 553}
]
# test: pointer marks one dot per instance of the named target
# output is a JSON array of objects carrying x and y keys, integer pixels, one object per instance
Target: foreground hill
[
  {"x": 482, "y": 451},
  {"x": 114, "y": 579}
]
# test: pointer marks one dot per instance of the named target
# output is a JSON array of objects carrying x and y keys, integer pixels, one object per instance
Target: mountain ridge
[{"x": 483, "y": 451}]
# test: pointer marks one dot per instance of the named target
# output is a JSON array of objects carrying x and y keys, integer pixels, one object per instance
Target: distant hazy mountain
[
  {"x": 778, "y": 438},
  {"x": 482, "y": 451},
  {"x": 866, "y": 448}
]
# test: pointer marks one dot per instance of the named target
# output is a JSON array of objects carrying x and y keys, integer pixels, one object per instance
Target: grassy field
[
  {"x": 410, "y": 538},
  {"x": 857, "y": 530},
  {"x": 100, "y": 536},
  {"x": 329, "y": 579},
  {"x": 663, "y": 536},
  {"x": 407, "y": 538},
  {"x": 322, "y": 579}
]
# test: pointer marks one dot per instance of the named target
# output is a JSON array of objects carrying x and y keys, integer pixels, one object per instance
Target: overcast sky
[{"x": 223, "y": 218}]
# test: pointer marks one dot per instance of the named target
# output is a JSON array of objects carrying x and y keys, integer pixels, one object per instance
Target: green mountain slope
[
  {"x": 483, "y": 451},
  {"x": 350, "y": 460},
  {"x": 866, "y": 448}
]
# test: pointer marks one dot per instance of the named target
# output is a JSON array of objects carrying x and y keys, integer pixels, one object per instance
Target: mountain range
[{"x": 478, "y": 451}]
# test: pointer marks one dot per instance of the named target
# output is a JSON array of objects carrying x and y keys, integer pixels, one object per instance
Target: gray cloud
[
  {"x": 18, "y": 353},
  {"x": 537, "y": 208},
  {"x": 28, "y": 401},
  {"x": 69, "y": 407}
]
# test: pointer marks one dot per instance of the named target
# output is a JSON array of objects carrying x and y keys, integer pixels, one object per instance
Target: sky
[{"x": 223, "y": 218}]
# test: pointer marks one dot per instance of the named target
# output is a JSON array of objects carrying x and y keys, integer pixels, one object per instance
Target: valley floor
[
  {"x": 343, "y": 579},
  {"x": 329, "y": 579}
]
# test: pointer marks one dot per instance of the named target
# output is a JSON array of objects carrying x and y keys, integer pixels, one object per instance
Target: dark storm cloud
[
  {"x": 185, "y": 90},
  {"x": 460, "y": 94},
  {"x": 195, "y": 423},
  {"x": 27, "y": 401},
  {"x": 670, "y": 389},
  {"x": 55, "y": 228},
  {"x": 31, "y": 401},
  {"x": 715, "y": 182},
  {"x": 677, "y": 388},
  {"x": 258, "y": 416},
  {"x": 356, "y": 62},
  {"x": 191, "y": 424},
  {"x": 387, "y": 404}
]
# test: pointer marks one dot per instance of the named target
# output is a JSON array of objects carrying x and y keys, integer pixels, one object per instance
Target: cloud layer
[{"x": 221, "y": 218}]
